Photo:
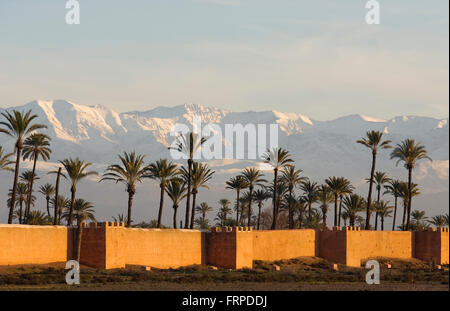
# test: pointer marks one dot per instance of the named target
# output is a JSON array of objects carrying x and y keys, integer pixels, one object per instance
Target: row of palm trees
[{"x": 180, "y": 182}]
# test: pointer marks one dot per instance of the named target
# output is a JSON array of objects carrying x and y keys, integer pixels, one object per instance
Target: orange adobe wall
[
  {"x": 111, "y": 245},
  {"x": 271, "y": 245},
  {"x": 371, "y": 244},
  {"x": 432, "y": 245},
  {"x": 25, "y": 244}
]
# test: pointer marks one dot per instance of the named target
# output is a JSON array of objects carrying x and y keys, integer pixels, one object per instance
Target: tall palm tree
[
  {"x": 58, "y": 209},
  {"x": 237, "y": 183},
  {"x": 200, "y": 175},
  {"x": 130, "y": 172},
  {"x": 339, "y": 186},
  {"x": 83, "y": 211},
  {"x": 35, "y": 146},
  {"x": 204, "y": 209},
  {"x": 253, "y": 178},
  {"x": 346, "y": 188},
  {"x": 28, "y": 177},
  {"x": 278, "y": 158},
  {"x": 310, "y": 194},
  {"x": 353, "y": 204},
  {"x": 176, "y": 190},
  {"x": 438, "y": 221},
  {"x": 405, "y": 194},
  {"x": 373, "y": 141},
  {"x": 47, "y": 190},
  {"x": 260, "y": 195},
  {"x": 324, "y": 198},
  {"x": 189, "y": 144},
  {"x": 409, "y": 152},
  {"x": 76, "y": 171},
  {"x": 393, "y": 188},
  {"x": 18, "y": 125},
  {"x": 291, "y": 177},
  {"x": 5, "y": 162}
]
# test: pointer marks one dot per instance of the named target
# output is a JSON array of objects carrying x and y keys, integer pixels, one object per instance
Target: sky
[{"x": 318, "y": 58}]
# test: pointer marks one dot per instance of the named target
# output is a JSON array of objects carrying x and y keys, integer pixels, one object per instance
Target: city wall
[{"x": 111, "y": 245}]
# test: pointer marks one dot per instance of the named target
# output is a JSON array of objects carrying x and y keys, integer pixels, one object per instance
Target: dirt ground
[{"x": 300, "y": 274}]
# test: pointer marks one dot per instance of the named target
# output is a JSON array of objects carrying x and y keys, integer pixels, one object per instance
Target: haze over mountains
[{"x": 320, "y": 148}]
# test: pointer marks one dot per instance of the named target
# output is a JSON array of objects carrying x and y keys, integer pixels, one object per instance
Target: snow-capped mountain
[{"x": 321, "y": 148}]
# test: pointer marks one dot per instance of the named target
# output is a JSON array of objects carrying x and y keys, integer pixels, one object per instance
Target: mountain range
[{"x": 320, "y": 148}]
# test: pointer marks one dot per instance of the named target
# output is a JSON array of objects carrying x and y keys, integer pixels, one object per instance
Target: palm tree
[
  {"x": 346, "y": 188},
  {"x": 224, "y": 211},
  {"x": 438, "y": 221},
  {"x": 38, "y": 218},
  {"x": 203, "y": 209},
  {"x": 189, "y": 144},
  {"x": 393, "y": 188},
  {"x": 59, "y": 205},
  {"x": 21, "y": 197},
  {"x": 338, "y": 186},
  {"x": 47, "y": 190},
  {"x": 164, "y": 171},
  {"x": 253, "y": 178},
  {"x": 35, "y": 146},
  {"x": 28, "y": 177},
  {"x": 353, "y": 204},
  {"x": 383, "y": 210},
  {"x": 18, "y": 125},
  {"x": 76, "y": 170},
  {"x": 58, "y": 209},
  {"x": 380, "y": 178},
  {"x": 418, "y": 219},
  {"x": 446, "y": 219},
  {"x": 404, "y": 193},
  {"x": 4, "y": 161},
  {"x": 129, "y": 172},
  {"x": 291, "y": 177},
  {"x": 176, "y": 191},
  {"x": 409, "y": 153},
  {"x": 260, "y": 196},
  {"x": 373, "y": 141},
  {"x": 121, "y": 218},
  {"x": 237, "y": 183},
  {"x": 200, "y": 175},
  {"x": 278, "y": 158},
  {"x": 83, "y": 211},
  {"x": 310, "y": 194},
  {"x": 324, "y": 198}
]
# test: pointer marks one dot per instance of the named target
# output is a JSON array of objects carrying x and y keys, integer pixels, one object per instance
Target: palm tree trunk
[
  {"x": 130, "y": 205},
  {"x": 259, "y": 214},
  {"x": 48, "y": 206},
  {"x": 395, "y": 212},
  {"x": 382, "y": 223},
  {"x": 161, "y": 204},
  {"x": 194, "y": 199},
  {"x": 20, "y": 213},
  {"x": 291, "y": 219},
  {"x": 405, "y": 207},
  {"x": 335, "y": 210},
  {"x": 340, "y": 210},
  {"x": 73, "y": 190},
  {"x": 237, "y": 207},
  {"x": 16, "y": 176},
  {"x": 188, "y": 196},
  {"x": 324, "y": 217},
  {"x": 409, "y": 198},
  {"x": 369, "y": 196},
  {"x": 175, "y": 208},
  {"x": 56, "y": 219},
  {"x": 250, "y": 208},
  {"x": 300, "y": 218},
  {"x": 376, "y": 221},
  {"x": 30, "y": 187},
  {"x": 275, "y": 185},
  {"x": 79, "y": 236}
]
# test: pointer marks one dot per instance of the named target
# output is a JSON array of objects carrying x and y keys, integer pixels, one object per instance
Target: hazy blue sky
[{"x": 318, "y": 58}]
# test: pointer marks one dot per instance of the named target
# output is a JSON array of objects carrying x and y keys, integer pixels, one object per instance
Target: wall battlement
[{"x": 111, "y": 245}]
